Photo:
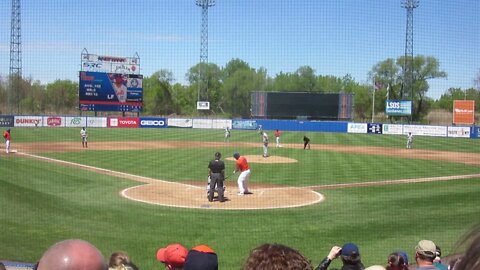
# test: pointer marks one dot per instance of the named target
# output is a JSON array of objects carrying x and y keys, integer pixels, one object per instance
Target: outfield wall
[{"x": 239, "y": 124}]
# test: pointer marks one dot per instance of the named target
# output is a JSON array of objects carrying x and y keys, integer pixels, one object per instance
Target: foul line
[
  {"x": 395, "y": 182},
  {"x": 147, "y": 180}
]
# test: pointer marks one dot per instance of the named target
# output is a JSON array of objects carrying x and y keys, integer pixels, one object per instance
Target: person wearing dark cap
[
  {"x": 425, "y": 253},
  {"x": 242, "y": 166},
  {"x": 201, "y": 258},
  {"x": 216, "y": 174},
  {"x": 349, "y": 254},
  {"x": 173, "y": 256},
  {"x": 73, "y": 254}
]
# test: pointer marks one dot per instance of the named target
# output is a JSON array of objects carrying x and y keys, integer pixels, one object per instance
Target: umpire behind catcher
[{"x": 216, "y": 172}]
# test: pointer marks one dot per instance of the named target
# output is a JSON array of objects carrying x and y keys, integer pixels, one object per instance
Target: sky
[{"x": 334, "y": 37}]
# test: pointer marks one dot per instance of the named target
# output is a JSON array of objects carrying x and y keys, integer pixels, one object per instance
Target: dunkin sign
[{"x": 28, "y": 121}]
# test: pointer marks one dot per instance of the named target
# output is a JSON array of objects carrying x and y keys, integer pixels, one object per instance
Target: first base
[{"x": 13, "y": 151}]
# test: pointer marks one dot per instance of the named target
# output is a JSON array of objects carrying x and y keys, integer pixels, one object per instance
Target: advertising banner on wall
[
  {"x": 110, "y": 92},
  {"x": 28, "y": 121},
  {"x": 464, "y": 112},
  {"x": 424, "y": 130},
  {"x": 398, "y": 107},
  {"x": 7, "y": 120},
  {"x": 180, "y": 122},
  {"x": 75, "y": 121},
  {"x": 202, "y": 123},
  {"x": 221, "y": 123},
  {"x": 374, "y": 128},
  {"x": 152, "y": 122},
  {"x": 123, "y": 122},
  {"x": 357, "y": 128},
  {"x": 458, "y": 132},
  {"x": 53, "y": 121},
  {"x": 96, "y": 122},
  {"x": 244, "y": 124},
  {"x": 392, "y": 129}
]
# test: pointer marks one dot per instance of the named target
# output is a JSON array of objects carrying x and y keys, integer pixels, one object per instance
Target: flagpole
[{"x": 373, "y": 103}]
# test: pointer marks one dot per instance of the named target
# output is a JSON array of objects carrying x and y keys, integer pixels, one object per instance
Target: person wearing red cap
[
  {"x": 73, "y": 254},
  {"x": 173, "y": 256}
]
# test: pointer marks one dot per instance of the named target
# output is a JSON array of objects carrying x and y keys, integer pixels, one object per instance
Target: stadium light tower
[
  {"x": 15, "y": 53},
  {"x": 203, "y": 85},
  {"x": 409, "y": 5}
]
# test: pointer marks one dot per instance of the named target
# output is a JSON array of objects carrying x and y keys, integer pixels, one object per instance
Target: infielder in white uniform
[
  {"x": 227, "y": 134},
  {"x": 84, "y": 136},
  {"x": 265, "y": 144},
  {"x": 409, "y": 140}
]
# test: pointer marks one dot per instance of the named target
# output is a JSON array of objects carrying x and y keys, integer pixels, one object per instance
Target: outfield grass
[{"x": 42, "y": 203}]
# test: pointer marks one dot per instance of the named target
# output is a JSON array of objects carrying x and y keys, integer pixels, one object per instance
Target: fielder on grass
[{"x": 409, "y": 140}]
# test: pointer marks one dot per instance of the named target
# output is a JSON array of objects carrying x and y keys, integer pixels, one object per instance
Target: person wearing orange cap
[
  {"x": 173, "y": 256},
  {"x": 201, "y": 257}
]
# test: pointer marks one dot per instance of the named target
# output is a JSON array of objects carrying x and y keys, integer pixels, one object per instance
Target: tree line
[{"x": 230, "y": 87}]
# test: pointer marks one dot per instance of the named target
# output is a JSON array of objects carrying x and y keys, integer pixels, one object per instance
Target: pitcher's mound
[{"x": 266, "y": 160}]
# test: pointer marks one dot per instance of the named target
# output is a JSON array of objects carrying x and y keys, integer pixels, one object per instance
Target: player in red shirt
[
  {"x": 7, "y": 137},
  {"x": 242, "y": 166},
  {"x": 277, "y": 137}
]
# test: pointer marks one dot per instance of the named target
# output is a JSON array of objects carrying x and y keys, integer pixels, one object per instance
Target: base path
[{"x": 193, "y": 194}]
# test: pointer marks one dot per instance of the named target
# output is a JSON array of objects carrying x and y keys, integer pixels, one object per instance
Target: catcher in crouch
[{"x": 216, "y": 174}]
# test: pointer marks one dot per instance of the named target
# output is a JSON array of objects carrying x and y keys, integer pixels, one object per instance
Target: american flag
[{"x": 377, "y": 86}]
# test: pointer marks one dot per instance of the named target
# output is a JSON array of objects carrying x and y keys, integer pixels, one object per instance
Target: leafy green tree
[
  {"x": 390, "y": 74},
  {"x": 157, "y": 93},
  {"x": 206, "y": 76},
  {"x": 61, "y": 96}
]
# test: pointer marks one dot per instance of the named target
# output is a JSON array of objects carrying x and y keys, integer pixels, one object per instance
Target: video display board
[{"x": 110, "y": 92}]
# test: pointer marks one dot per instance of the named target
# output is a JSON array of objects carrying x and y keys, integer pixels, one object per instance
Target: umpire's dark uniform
[{"x": 216, "y": 171}]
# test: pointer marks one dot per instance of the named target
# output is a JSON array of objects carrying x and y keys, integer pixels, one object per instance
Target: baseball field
[{"x": 141, "y": 189}]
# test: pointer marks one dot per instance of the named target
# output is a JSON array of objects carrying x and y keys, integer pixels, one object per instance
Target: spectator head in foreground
[
  {"x": 276, "y": 256},
  {"x": 471, "y": 257},
  {"x": 350, "y": 255},
  {"x": 397, "y": 261},
  {"x": 173, "y": 256},
  {"x": 201, "y": 258},
  {"x": 72, "y": 254},
  {"x": 120, "y": 260},
  {"x": 425, "y": 253}
]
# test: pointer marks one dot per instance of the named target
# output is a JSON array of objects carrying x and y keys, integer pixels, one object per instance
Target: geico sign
[
  {"x": 152, "y": 123},
  {"x": 127, "y": 122}
]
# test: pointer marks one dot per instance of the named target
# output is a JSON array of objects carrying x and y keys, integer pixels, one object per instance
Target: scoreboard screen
[{"x": 100, "y": 91}]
